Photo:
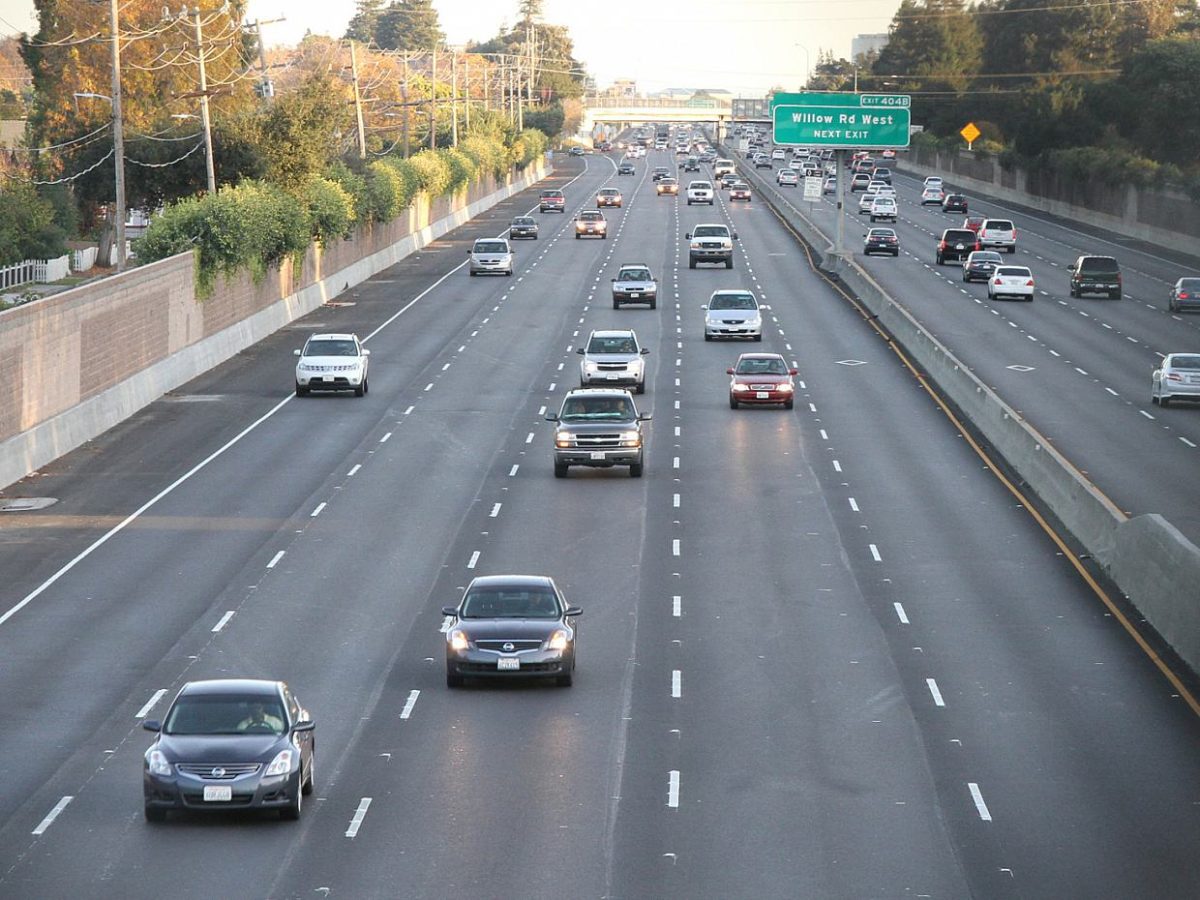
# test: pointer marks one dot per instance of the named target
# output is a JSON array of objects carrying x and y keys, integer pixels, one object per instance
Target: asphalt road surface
[{"x": 824, "y": 652}]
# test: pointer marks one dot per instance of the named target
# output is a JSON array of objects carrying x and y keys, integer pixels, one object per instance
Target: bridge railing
[{"x": 595, "y": 102}]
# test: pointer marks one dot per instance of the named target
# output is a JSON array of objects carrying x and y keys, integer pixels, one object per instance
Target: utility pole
[
  {"x": 467, "y": 81},
  {"x": 362, "y": 136},
  {"x": 454, "y": 98},
  {"x": 266, "y": 89},
  {"x": 118, "y": 135},
  {"x": 204, "y": 119},
  {"x": 433, "y": 103},
  {"x": 404, "y": 103}
]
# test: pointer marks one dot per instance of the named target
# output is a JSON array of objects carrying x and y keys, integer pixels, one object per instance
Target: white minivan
[{"x": 491, "y": 255}]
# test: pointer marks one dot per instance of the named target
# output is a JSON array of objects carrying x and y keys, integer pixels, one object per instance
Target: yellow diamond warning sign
[{"x": 970, "y": 132}]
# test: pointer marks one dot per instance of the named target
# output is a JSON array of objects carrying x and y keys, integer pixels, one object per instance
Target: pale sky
[{"x": 745, "y": 46}]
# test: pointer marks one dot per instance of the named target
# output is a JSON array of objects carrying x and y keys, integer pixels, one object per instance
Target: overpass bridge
[{"x": 623, "y": 112}]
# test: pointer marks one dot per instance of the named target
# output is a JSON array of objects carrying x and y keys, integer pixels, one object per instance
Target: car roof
[
  {"x": 502, "y": 581},
  {"x": 760, "y": 355},
  {"x": 881, "y": 231},
  {"x": 613, "y": 332},
  {"x": 738, "y": 291},
  {"x": 332, "y": 336},
  {"x": 600, "y": 392},
  {"x": 250, "y": 687}
]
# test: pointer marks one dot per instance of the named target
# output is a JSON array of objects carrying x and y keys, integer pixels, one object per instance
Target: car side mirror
[
  {"x": 450, "y": 611},
  {"x": 306, "y": 725},
  {"x": 366, "y": 352},
  {"x": 551, "y": 417},
  {"x": 793, "y": 371},
  {"x": 645, "y": 351},
  {"x": 1070, "y": 268},
  {"x": 729, "y": 371},
  {"x": 688, "y": 236},
  {"x": 579, "y": 351},
  {"x": 704, "y": 306},
  {"x": 734, "y": 236},
  {"x": 645, "y": 417},
  {"x": 612, "y": 279},
  {"x": 573, "y": 611},
  {"x": 152, "y": 725},
  {"x": 295, "y": 353}
]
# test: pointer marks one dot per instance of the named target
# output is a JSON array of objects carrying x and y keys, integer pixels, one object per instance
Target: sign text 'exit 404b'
[{"x": 841, "y": 120}]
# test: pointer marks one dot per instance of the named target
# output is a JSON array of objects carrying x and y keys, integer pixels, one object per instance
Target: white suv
[
  {"x": 700, "y": 192},
  {"x": 613, "y": 358},
  {"x": 721, "y": 166},
  {"x": 998, "y": 233},
  {"x": 332, "y": 362}
]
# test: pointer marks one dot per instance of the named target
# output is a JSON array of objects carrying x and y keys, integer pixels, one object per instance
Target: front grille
[
  {"x": 517, "y": 646},
  {"x": 481, "y": 668},
  {"x": 228, "y": 770},
  {"x": 196, "y": 798},
  {"x": 611, "y": 367},
  {"x": 733, "y": 322},
  {"x": 710, "y": 245},
  {"x": 598, "y": 441}
]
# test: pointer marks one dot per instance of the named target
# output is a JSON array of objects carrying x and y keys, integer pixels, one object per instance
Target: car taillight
[
  {"x": 998, "y": 282},
  {"x": 1029, "y": 283},
  {"x": 1184, "y": 295},
  {"x": 941, "y": 245},
  {"x": 1172, "y": 376}
]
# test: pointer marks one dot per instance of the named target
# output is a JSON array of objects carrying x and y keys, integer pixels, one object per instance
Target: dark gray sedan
[
  {"x": 1185, "y": 295},
  {"x": 230, "y": 743},
  {"x": 517, "y": 626},
  {"x": 523, "y": 227}
]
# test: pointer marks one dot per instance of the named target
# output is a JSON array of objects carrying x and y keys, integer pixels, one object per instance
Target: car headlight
[
  {"x": 631, "y": 439},
  {"x": 695, "y": 245},
  {"x": 564, "y": 439},
  {"x": 591, "y": 366},
  {"x": 157, "y": 764},
  {"x": 741, "y": 386},
  {"x": 784, "y": 386},
  {"x": 558, "y": 641},
  {"x": 283, "y": 763},
  {"x": 458, "y": 640}
]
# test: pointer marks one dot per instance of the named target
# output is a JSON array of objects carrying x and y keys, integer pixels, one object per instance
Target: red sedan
[{"x": 761, "y": 378}]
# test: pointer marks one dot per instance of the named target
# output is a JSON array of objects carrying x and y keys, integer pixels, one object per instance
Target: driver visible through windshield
[
  {"x": 596, "y": 409},
  {"x": 510, "y": 604},
  {"x": 732, "y": 301},
  {"x": 225, "y": 715}
]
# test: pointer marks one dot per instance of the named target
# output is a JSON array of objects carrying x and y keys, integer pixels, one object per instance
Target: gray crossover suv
[{"x": 598, "y": 427}]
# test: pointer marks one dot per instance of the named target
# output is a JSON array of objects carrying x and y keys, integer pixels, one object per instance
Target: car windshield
[
  {"x": 1190, "y": 361},
  {"x": 522, "y": 220},
  {"x": 881, "y": 233},
  {"x": 510, "y": 603},
  {"x": 732, "y": 301},
  {"x": 612, "y": 345},
  {"x": 330, "y": 348},
  {"x": 217, "y": 714},
  {"x": 710, "y": 231},
  {"x": 1189, "y": 284},
  {"x": 1014, "y": 272},
  {"x": 634, "y": 275},
  {"x": 590, "y": 217},
  {"x": 608, "y": 192},
  {"x": 702, "y": 185},
  {"x": 491, "y": 247},
  {"x": 761, "y": 367},
  {"x": 584, "y": 409},
  {"x": 551, "y": 195}
]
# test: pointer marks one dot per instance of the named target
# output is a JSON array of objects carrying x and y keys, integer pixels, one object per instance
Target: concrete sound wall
[
  {"x": 74, "y": 364},
  {"x": 1152, "y": 563}
]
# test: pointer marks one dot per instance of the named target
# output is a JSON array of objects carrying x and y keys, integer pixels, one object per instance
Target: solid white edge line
[
  {"x": 980, "y": 806},
  {"x": 276, "y": 558},
  {"x": 359, "y": 815},
  {"x": 216, "y": 629},
  {"x": 151, "y": 703},
  {"x": 935, "y": 691},
  {"x": 673, "y": 789},
  {"x": 52, "y": 815},
  {"x": 411, "y": 702}
]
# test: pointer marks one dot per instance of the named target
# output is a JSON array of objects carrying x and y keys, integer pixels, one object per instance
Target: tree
[
  {"x": 27, "y": 229},
  {"x": 1161, "y": 113},
  {"x": 409, "y": 25},
  {"x": 301, "y": 134},
  {"x": 529, "y": 11},
  {"x": 364, "y": 21}
]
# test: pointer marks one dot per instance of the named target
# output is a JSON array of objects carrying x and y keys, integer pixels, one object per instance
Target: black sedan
[
  {"x": 230, "y": 743},
  {"x": 511, "y": 626},
  {"x": 626, "y": 168},
  {"x": 523, "y": 227},
  {"x": 954, "y": 203},
  {"x": 1185, "y": 295},
  {"x": 980, "y": 264},
  {"x": 881, "y": 240}
]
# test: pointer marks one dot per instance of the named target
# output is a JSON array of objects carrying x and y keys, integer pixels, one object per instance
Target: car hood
[
  {"x": 331, "y": 360},
  {"x": 490, "y": 257},
  {"x": 611, "y": 357},
  {"x": 221, "y": 748},
  {"x": 492, "y": 629},
  {"x": 604, "y": 426},
  {"x": 760, "y": 379},
  {"x": 635, "y": 284},
  {"x": 732, "y": 315}
]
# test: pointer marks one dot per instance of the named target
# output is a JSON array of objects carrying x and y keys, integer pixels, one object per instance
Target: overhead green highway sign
[{"x": 866, "y": 121}]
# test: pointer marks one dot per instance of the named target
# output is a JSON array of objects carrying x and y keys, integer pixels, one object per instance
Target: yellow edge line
[{"x": 1166, "y": 670}]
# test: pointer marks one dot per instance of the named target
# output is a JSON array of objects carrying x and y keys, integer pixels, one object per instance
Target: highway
[{"x": 824, "y": 653}]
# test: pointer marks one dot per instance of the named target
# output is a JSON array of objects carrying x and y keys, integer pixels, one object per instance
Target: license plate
[
  {"x": 217, "y": 793},
  {"x": 633, "y": 295},
  {"x": 763, "y": 395},
  {"x": 508, "y": 664},
  {"x": 596, "y": 454}
]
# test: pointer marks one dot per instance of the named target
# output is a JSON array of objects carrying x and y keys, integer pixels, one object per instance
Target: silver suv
[
  {"x": 613, "y": 358},
  {"x": 598, "y": 427},
  {"x": 710, "y": 243},
  {"x": 634, "y": 284}
]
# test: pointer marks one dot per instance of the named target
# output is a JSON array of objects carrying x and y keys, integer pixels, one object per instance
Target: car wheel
[
  {"x": 896, "y": 253},
  {"x": 789, "y": 404},
  {"x": 291, "y": 812},
  {"x": 691, "y": 264},
  {"x": 965, "y": 278},
  {"x": 689, "y": 201},
  {"x": 708, "y": 337},
  {"x": 1164, "y": 401},
  {"x": 565, "y": 680},
  {"x": 1012, "y": 250},
  {"x": 1071, "y": 291},
  {"x": 1153, "y": 399},
  {"x": 758, "y": 337},
  {"x": 1171, "y": 307},
  {"x": 733, "y": 404},
  {"x": 729, "y": 263},
  {"x": 654, "y": 304},
  {"x": 453, "y": 679},
  {"x": 616, "y": 305},
  {"x": 635, "y": 470},
  {"x": 301, "y": 391},
  {"x": 155, "y": 813},
  {"x": 473, "y": 273},
  {"x": 577, "y": 236},
  {"x": 360, "y": 390},
  {"x": 560, "y": 470},
  {"x": 1114, "y": 295},
  {"x": 307, "y": 787},
  {"x": 509, "y": 272},
  {"x": 939, "y": 260},
  {"x": 640, "y": 388}
]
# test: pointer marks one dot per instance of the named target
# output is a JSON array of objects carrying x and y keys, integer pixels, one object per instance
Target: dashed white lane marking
[
  {"x": 1146, "y": 414},
  {"x": 495, "y": 511},
  {"x": 445, "y": 367},
  {"x": 354, "y": 470},
  {"x": 853, "y": 504},
  {"x": 513, "y": 470},
  {"x": 675, "y": 547},
  {"x": 676, "y": 684},
  {"x": 1186, "y": 441},
  {"x": 316, "y": 512},
  {"x": 429, "y": 387},
  {"x": 937, "y": 694},
  {"x": 812, "y": 407},
  {"x": 900, "y": 613},
  {"x": 529, "y": 438},
  {"x": 408, "y": 412},
  {"x": 276, "y": 558},
  {"x": 359, "y": 815},
  {"x": 409, "y": 704},
  {"x": 875, "y": 553},
  {"x": 474, "y": 559},
  {"x": 837, "y": 466},
  {"x": 52, "y": 815},
  {"x": 675, "y": 501},
  {"x": 151, "y": 703},
  {"x": 824, "y": 436},
  {"x": 1111, "y": 391},
  {"x": 977, "y": 796},
  {"x": 387, "y": 437},
  {"x": 675, "y": 463},
  {"x": 676, "y": 606},
  {"x": 222, "y": 622},
  {"x": 1080, "y": 371},
  {"x": 673, "y": 789}
]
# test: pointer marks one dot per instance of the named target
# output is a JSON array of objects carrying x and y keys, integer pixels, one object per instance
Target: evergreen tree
[
  {"x": 409, "y": 25},
  {"x": 365, "y": 20}
]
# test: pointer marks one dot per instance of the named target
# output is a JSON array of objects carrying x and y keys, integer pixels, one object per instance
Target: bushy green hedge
[{"x": 256, "y": 225}]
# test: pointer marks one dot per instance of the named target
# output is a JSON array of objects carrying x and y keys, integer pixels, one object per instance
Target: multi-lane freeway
[{"x": 824, "y": 653}]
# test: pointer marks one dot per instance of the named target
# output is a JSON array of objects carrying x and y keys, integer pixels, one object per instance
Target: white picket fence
[
  {"x": 16, "y": 274},
  {"x": 44, "y": 271},
  {"x": 82, "y": 260}
]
